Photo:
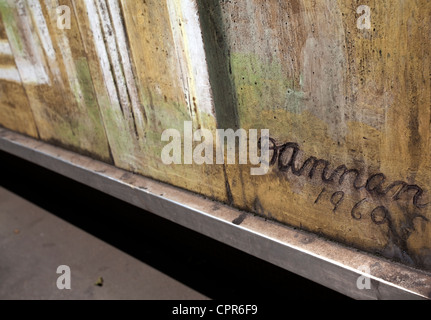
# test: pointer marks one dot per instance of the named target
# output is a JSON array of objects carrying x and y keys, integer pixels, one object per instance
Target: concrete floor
[{"x": 33, "y": 243}]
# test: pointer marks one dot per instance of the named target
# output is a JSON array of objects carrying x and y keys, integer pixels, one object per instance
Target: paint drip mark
[{"x": 238, "y": 221}]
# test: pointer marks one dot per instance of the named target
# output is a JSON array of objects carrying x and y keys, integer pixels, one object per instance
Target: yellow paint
[
  {"x": 15, "y": 111},
  {"x": 355, "y": 97},
  {"x": 64, "y": 106},
  {"x": 167, "y": 97}
]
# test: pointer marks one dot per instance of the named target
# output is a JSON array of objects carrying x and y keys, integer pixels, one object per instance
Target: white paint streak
[
  {"x": 10, "y": 74},
  {"x": 30, "y": 59},
  {"x": 102, "y": 53},
  {"x": 175, "y": 21},
  {"x": 5, "y": 48},
  {"x": 110, "y": 43},
  {"x": 121, "y": 41},
  {"x": 191, "y": 54},
  {"x": 67, "y": 57},
  {"x": 41, "y": 28},
  {"x": 196, "y": 55}
]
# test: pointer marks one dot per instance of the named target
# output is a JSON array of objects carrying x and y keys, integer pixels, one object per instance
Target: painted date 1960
[{"x": 379, "y": 215}]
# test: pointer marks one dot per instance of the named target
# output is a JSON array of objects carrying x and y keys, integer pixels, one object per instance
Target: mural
[{"x": 344, "y": 89}]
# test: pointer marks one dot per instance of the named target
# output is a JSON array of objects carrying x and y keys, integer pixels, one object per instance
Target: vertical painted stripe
[
  {"x": 102, "y": 53},
  {"x": 115, "y": 63},
  {"x": 121, "y": 41},
  {"x": 176, "y": 22},
  {"x": 42, "y": 28},
  {"x": 67, "y": 56},
  {"x": 185, "y": 25},
  {"x": 195, "y": 54},
  {"x": 29, "y": 59},
  {"x": 44, "y": 36}
]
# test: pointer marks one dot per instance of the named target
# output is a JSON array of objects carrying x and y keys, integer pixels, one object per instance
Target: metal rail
[{"x": 328, "y": 263}]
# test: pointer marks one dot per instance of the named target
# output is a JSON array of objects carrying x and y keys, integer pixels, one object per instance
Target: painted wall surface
[
  {"x": 53, "y": 69},
  {"x": 14, "y": 106},
  {"x": 346, "y": 99}
]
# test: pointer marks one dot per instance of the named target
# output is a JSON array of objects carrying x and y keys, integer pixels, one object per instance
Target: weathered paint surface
[
  {"x": 173, "y": 89},
  {"x": 358, "y": 98},
  {"x": 348, "y": 109},
  {"x": 14, "y": 107},
  {"x": 55, "y": 74}
]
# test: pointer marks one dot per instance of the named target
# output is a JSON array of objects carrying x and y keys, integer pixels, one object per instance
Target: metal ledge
[{"x": 327, "y": 263}]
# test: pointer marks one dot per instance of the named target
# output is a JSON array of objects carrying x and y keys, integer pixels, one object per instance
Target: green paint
[
  {"x": 91, "y": 128},
  {"x": 10, "y": 23},
  {"x": 122, "y": 143},
  {"x": 261, "y": 85}
]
